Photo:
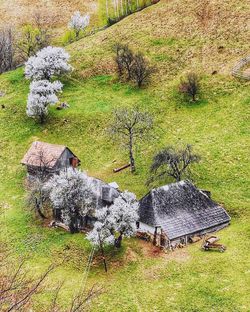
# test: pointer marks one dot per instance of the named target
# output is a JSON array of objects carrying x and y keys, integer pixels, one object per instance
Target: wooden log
[
  {"x": 59, "y": 224},
  {"x": 121, "y": 168}
]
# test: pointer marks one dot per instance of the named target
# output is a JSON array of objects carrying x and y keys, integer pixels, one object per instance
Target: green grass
[{"x": 217, "y": 126}]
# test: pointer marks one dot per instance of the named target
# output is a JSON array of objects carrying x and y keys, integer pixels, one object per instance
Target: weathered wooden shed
[
  {"x": 177, "y": 212},
  {"x": 48, "y": 158}
]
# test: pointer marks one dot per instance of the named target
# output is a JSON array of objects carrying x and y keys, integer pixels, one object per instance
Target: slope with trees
[{"x": 178, "y": 37}]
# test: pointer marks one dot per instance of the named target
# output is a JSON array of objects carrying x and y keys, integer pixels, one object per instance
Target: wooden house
[
  {"x": 46, "y": 159},
  {"x": 177, "y": 212}
]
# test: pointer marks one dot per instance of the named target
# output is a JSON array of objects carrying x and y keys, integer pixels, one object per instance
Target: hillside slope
[
  {"x": 200, "y": 35},
  {"x": 176, "y": 36},
  {"x": 57, "y": 13}
]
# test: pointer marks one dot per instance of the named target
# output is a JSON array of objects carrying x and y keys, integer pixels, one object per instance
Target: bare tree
[
  {"x": 130, "y": 125},
  {"x": 132, "y": 66},
  {"x": 141, "y": 71},
  {"x": 43, "y": 23},
  {"x": 190, "y": 86},
  {"x": 7, "y": 50},
  {"x": 18, "y": 288},
  {"x": 34, "y": 36},
  {"x": 124, "y": 60},
  {"x": 38, "y": 195},
  {"x": 173, "y": 163}
]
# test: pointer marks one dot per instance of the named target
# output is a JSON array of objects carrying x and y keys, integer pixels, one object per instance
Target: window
[{"x": 73, "y": 162}]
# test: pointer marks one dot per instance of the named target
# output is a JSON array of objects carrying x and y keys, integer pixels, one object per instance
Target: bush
[
  {"x": 141, "y": 70},
  {"x": 190, "y": 86}
]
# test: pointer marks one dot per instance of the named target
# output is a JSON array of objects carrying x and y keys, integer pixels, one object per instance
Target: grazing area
[{"x": 176, "y": 37}]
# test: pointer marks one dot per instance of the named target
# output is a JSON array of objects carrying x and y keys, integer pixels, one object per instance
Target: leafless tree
[
  {"x": 34, "y": 36},
  {"x": 7, "y": 50},
  {"x": 18, "y": 288},
  {"x": 124, "y": 60},
  {"x": 132, "y": 66},
  {"x": 129, "y": 126},
  {"x": 38, "y": 196},
  {"x": 190, "y": 86},
  {"x": 141, "y": 71},
  {"x": 173, "y": 163}
]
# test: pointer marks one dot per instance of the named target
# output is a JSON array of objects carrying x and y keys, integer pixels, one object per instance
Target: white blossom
[
  {"x": 119, "y": 218},
  {"x": 125, "y": 213},
  {"x": 42, "y": 94},
  {"x": 71, "y": 192},
  {"x": 103, "y": 228},
  {"x": 78, "y": 22},
  {"x": 48, "y": 62}
]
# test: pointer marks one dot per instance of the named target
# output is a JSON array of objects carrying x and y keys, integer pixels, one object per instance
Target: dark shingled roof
[{"x": 180, "y": 209}]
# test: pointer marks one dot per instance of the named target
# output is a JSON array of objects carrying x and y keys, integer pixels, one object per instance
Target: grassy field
[{"x": 217, "y": 126}]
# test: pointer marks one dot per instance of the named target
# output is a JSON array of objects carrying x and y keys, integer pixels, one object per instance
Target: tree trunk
[
  {"x": 73, "y": 225},
  {"x": 41, "y": 214},
  {"x": 122, "y": 8},
  {"x": 77, "y": 32},
  {"x": 39, "y": 211},
  {"x": 107, "y": 9},
  {"x": 118, "y": 241},
  {"x": 86, "y": 220},
  {"x": 42, "y": 119},
  {"x": 102, "y": 252},
  {"x": 131, "y": 154}
]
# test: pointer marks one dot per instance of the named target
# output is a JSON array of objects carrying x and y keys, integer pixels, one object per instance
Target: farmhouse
[
  {"x": 175, "y": 213},
  {"x": 48, "y": 159}
]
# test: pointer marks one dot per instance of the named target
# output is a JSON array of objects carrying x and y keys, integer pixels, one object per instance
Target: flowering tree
[
  {"x": 48, "y": 62},
  {"x": 125, "y": 214},
  {"x": 78, "y": 23},
  {"x": 42, "y": 94},
  {"x": 103, "y": 231},
  {"x": 119, "y": 218},
  {"x": 72, "y": 194}
]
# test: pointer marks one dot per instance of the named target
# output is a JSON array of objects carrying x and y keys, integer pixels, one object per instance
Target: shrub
[{"x": 190, "y": 86}]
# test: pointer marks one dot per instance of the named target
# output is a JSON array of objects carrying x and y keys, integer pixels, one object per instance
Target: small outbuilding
[
  {"x": 48, "y": 158},
  {"x": 175, "y": 213}
]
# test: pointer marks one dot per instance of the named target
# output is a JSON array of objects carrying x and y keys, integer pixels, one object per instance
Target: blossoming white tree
[
  {"x": 71, "y": 192},
  {"x": 48, "y": 62},
  {"x": 125, "y": 213},
  {"x": 120, "y": 218},
  {"x": 103, "y": 231},
  {"x": 42, "y": 94},
  {"x": 78, "y": 23}
]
